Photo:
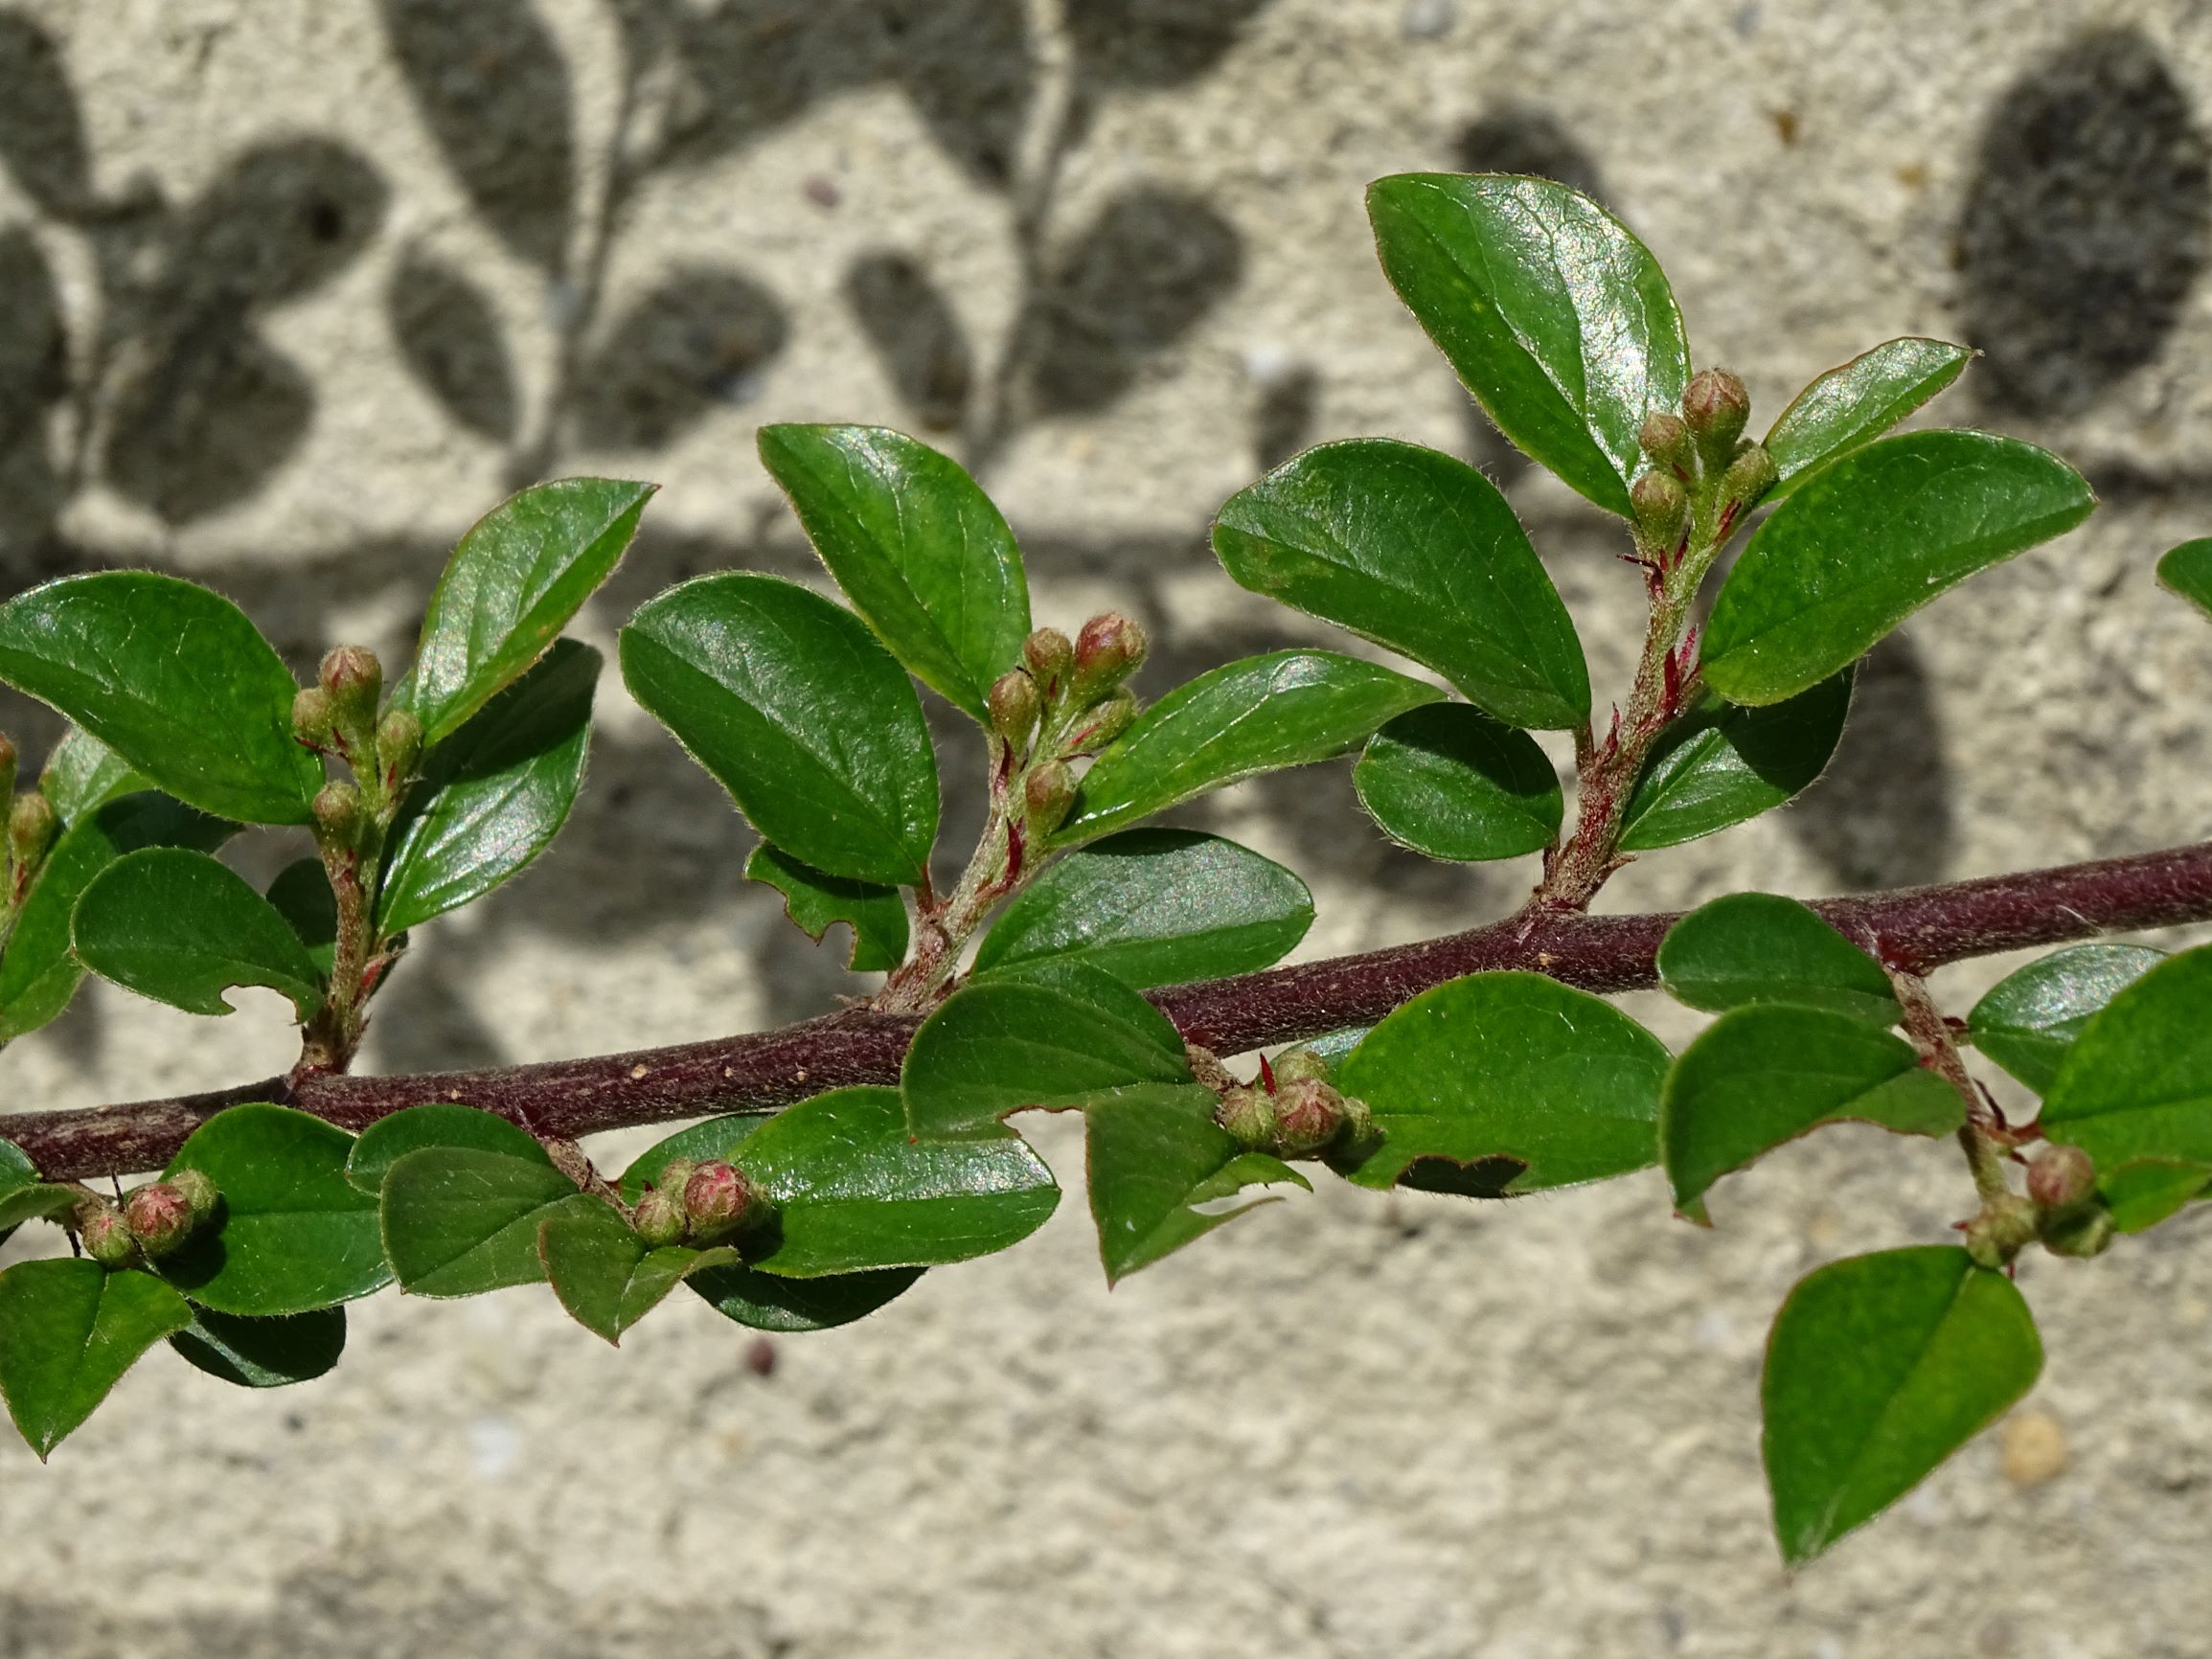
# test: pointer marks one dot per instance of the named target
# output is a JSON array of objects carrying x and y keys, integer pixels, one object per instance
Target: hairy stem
[
  {"x": 1982, "y": 1136},
  {"x": 1914, "y": 930}
]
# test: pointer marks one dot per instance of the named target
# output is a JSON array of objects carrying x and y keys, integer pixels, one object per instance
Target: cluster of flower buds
[
  {"x": 1293, "y": 1111},
  {"x": 338, "y": 716},
  {"x": 1699, "y": 453},
  {"x": 156, "y": 1220},
  {"x": 1065, "y": 701},
  {"x": 2070, "y": 1218},
  {"x": 699, "y": 1203},
  {"x": 32, "y": 828}
]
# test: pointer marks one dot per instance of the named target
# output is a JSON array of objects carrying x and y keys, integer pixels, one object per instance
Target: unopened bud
[
  {"x": 1047, "y": 793},
  {"x": 719, "y": 1199},
  {"x": 6, "y": 770},
  {"x": 354, "y": 679},
  {"x": 1662, "y": 509},
  {"x": 659, "y": 1220},
  {"x": 31, "y": 825},
  {"x": 1014, "y": 705},
  {"x": 1749, "y": 476},
  {"x": 1998, "y": 1234},
  {"x": 1248, "y": 1115},
  {"x": 1300, "y": 1065},
  {"x": 1308, "y": 1115},
  {"x": 311, "y": 717},
  {"x": 1359, "y": 1137},
  {"x": 197, "y": 1188},
  {"x": 108, "y": 1241},
  {"x": 1049, "y": 658},
  {"x": 2061, "y": 1177},
  {"x": 399, "y": 743},
  {"x": 1105, "y": 722},
  {"x": 1666, "y": 441},
  {"x": 158, "y": 1217},
  {"x": 1106, "y": 652},
  {"x": 675, "y": 1174},
  {"x": 338, "y": 812},
  {"x": 2083, "y": 1233},
  {"x": 1715, "y": 408}
]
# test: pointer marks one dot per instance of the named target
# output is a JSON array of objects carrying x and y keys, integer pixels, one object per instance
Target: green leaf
[
  {"x": 263, "y": 1352},
  {"x": 1058, "y": 1035},
  {"x": 1720, "y": 765},
  {"x": 2187, "y": 569},
  {"x": 805, "y": 720},
  {"x": 2145, "y": 1192},
  {"x": 1162, "y": 1173},
  {"x": 459, "y": 1221},
  {"x": 1879, "y": 1369},
  {"x": 1417, "y": 550},
  {"x": 176, "y": 927},
  {"x": 439, "y": 1124},
  {"x": 39, "y": 972},
  {"x": 1761, "y": 947},
  {"x": 172, "y": 677},
  {"x": 1848, "y": 407},
  {"x": 84, "y": 774},
  {"x": 1260, "y": 714},
  {"x": 33, "y": 1201},
  {"x": 18, "y": 1175},
  {"x": 301, "y": 894},
  {"x": 2137, "y": 1082},
  {"x": 1507, "y": 1082},
  {"x": 2028, "y": 1020},
  {"x": 1450, "y": 781},
  {"x": 1770, "y": 1073},
  {"x": 853, "y": 1191},
  {"x": 606, "y": 1275},
  {"x": 815, "y": 902},
  {"x": 291, "y": 1235},
  {"x": 522, "y": 571},
  {"x": 762, "y": 1301},
  {"x": 1154, "y": 907},
  {"x": 916, "y": 546},
  {"x": 493, "y": 795},
  {"x": 68, "y": 1332},
  {"x": 1869, "y": 541},
  {"x": 1557, "y": 319}
]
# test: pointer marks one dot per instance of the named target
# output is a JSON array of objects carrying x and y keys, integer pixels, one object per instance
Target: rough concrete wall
[{"x": 292, "y": 291}]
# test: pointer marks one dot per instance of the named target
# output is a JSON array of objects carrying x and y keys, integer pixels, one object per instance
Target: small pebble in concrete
[{"x": 2034, "y": 1449}]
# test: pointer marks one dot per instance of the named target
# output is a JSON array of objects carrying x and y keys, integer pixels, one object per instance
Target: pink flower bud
[
  {"x": 159, "y": 1218},
  {"x": 719, "y": 1199},
  {"x": 354, "y": 680},
  {"x": 2061, "y": 1177},
  {"x": 1248, "y": 1115},
  {"x": 1309, "y": 1114},
  {"x": 1714, "y": 407},
  {"x": 659, "y": 1218},
  {"x": 1106, "y": 652},
  {"x": 1050, "y": 659}
]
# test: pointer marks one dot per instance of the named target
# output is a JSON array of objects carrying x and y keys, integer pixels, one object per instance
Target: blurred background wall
[{"x": 289, "y": 293}]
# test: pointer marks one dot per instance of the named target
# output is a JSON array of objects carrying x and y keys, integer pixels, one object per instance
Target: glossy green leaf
[
  {"x": 1751, "y": 948},
  {"x": 33, "y": 1201},
  {"x": 301, "y": 894},
  {"x": 40, "y": 972},
  {"x": 18, "y": 1175},
  {"x": 2137, "y": 1082},
  {"x": 172, "y": 677},
  {"x": 493, "y": 795},
  {"x": 522, "y": 571},
  {"x": 1256, "y": 715},
  {"x": 1507, "y": 1082},
  {"x": 1852, "y": 405},
  {"x": 2187, "y": 569},
  {"x": 1772, "y": 1072},
  {"x": 291, "y": 1235},
  {"x": 439, "y": 1123},
  {"x": 1870, "y": 539},
  {"x": 459, "y": 1221},
  {"x": 84, "y": 774},
  {"x": 1722, "y": 764},
  {"x": 1164, "y": 1172},
  {"x": 815, "y": 902},
  {"x": 1557, "y": 319},
  {"x": 1419, "y": 551},
  {"x": 1450, "y": 781},
  {"x": 606, "y": 1276},
  {"x": 2030, "y": 1018},
  {"x": 1058, "y": 1036},
  {"x": 1879, "y": 1368},
  {"x": 916, "y": 546},
  {"x": 2149, "y": 1191},
  {"x": 68, "y": 1332},
  {"x": 175, "y": 925},
  {"x": 1154, "y": 907},
  {"x": 263, "y": 1352},
  {"x": 797, "y": 711},
  {"x": 853, "y": 1191}
]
